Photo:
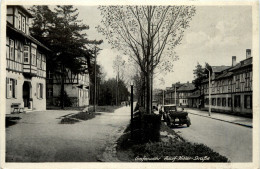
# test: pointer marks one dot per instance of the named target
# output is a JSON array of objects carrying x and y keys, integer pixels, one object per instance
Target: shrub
[
  {"x": 67, "y": 100},
  {"x": 151, "y": 127},
  {"x": 146, "y": 126},
  {"x": 180, "y": 150}
]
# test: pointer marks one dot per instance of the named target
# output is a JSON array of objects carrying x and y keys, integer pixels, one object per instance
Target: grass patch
[
  {"x": 71, "y": 119},
  {"x": 77, "y": 117},
  {"x": 109, "y": 109},
  {"x": 84, "y": 115},
  {"x": 173, "y": 150},
  {"x": 81, "y": 108},
  {"x": 68, "y": 121}
]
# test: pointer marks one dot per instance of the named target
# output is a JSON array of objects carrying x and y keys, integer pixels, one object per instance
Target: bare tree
[
  {"x": 118, "y": 66},
  {"x": 148, "y": 34}
]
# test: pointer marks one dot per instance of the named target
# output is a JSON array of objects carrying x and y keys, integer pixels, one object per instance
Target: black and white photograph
[{"x": 169, "y": 84}]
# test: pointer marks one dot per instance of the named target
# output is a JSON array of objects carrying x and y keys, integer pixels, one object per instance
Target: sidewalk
[{"x": 247, "y": 122}]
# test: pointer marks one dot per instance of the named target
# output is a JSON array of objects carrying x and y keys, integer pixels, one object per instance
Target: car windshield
[{"x": 169, "y": 108}]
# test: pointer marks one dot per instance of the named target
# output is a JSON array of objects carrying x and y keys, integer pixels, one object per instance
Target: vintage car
[{"x": 174, "y": 115}]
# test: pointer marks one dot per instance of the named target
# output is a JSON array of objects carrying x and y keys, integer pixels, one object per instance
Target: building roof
[
  {"x": 10, "y": 27},
  {"x": 25, "y": 11},
  {"x": 217, "y": 69},
  {"x": 243, "y": 63},
  {"x": 187, "y": 87},
  {"x": 224, "y": 75}
]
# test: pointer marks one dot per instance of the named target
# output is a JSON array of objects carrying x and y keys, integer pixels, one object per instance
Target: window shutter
[
  {"x": 7, "y": 88},
  {"x": 15, "y": 89},
  {"x": 41, "y": 90},
  {"x": 245, "y": 101}
]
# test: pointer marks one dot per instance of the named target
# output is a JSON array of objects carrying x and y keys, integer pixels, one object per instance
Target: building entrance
[{"x": 27, "y": 95}]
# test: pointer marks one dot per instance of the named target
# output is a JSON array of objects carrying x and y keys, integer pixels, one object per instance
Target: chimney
[
  {"x": 234, "y": 62},
  {"x": 248, "y": 53}
]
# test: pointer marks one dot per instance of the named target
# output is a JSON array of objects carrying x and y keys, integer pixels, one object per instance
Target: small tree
[
  {"x": 148, "y": 34},
  {"x": 199, "y": 75}
]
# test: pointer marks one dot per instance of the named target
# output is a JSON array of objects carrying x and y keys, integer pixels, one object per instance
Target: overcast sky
[{"x": 216, "y": 33}]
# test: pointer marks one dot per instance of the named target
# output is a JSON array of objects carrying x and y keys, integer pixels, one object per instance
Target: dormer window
[
  {"x": 23, "y": 24},
  {"x": 19, "y": 21}
]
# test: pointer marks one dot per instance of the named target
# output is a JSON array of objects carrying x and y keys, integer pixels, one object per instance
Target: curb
[
  {"x": 249, "y": 126},
  {"x": 110, "y": 152}
]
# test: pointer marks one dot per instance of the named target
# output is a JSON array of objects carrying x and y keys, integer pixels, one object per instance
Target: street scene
[{"x": 129, "y": 84}]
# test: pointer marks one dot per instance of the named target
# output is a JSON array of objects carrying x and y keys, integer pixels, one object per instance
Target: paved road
[
  {"x": 230, "y": 140},
  {"x": 38, "y": 137}
]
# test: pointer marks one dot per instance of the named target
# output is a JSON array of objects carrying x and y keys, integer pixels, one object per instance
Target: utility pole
[
  {"x": 175, "y": 94},
  {"x": 132, "y": 110},
  {"x": 209, "y": 93},
  {"x": 95, "y": 88},
  {"x": 163, "y": 97}
]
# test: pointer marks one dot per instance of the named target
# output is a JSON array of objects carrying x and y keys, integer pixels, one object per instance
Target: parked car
[{"x": 174, "y": 115}]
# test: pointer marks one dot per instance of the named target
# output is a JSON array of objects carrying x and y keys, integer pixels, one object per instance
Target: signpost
[{"x": 132, "y": 111}]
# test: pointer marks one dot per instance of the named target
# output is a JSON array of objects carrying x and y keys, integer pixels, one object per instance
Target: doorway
[{"x": 27, "y": 94}]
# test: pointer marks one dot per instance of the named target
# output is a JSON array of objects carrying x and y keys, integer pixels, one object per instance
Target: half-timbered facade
[
  {"x": 75, "y": 85},
  {"x": 25, "y": 63},
  {"x": 184, "y": 92},
  {"x": 231, "y": 90}
]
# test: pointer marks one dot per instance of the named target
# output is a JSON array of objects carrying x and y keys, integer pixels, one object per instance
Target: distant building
[
  {"x": 75, "y": 85},
  {"x": 184, "y": 91},
  {"x": 158, "y": 96},
  {"x": 177, "y": 94},
  {"x": 25, "y": 64},
  {"x": 195, "y": 99},
  {"x": 231, "y": 87}
]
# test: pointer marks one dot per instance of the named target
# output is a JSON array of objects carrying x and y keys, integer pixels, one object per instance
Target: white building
[
  {"x": 25, "y": 64},
  {"x": 75, "y": 85}
]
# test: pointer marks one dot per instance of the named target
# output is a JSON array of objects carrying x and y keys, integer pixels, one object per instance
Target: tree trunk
[
  {"x": 62, "y": 88},
  {"x": 148, "y": 93}
]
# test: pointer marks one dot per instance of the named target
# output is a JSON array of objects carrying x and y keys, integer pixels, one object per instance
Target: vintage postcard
[{"x": 115, "y": 84}]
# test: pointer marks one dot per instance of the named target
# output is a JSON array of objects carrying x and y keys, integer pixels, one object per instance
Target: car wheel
[{"x": 188, "y": 124}]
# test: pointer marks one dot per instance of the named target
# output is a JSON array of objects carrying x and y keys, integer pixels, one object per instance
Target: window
[
  {"x": 33, "y": 56},
  {"x": 26, "y": 54},
  {"x": 248, "y": 101},
  {"x": 219, "y": 102},
  {"x": 229, "y": 102},
  {"x": 237, "y": 81},
  {"x": 247, "y": 79},
  {"x": 11, "y": 85},
  {"x": 43, "y": 66},
  {"x": 237, "y": 101},
  {"x": 223, "y": 86},
  {"x": 206, "y": 101},
  {"x": 39, "y": 90},
  {"x": 224, "y": 102},
  {"x": 213, "y": 101},
  {"x": 23, "y": 24},
  {"x": 39, "y": 60},
  {"x": 11, "y": 49},
  {"x": 19, "y": 21},
  {"x": 19, "y": 52},
  {"x": 7, "y": 52},
  {"x": 213, "y": 86},
  {"x": 229, "y": 84}
]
